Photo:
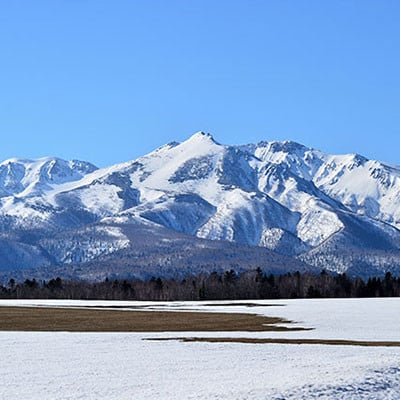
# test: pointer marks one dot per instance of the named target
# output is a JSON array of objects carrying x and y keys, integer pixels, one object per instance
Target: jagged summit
[
  {"x": 46, "y": 159},
  {"x": 25, "y": 177},
  {"x": 331, "y": 211},
  {"x": 288, "y": 146},
  {"x": 201, "y": 136}
]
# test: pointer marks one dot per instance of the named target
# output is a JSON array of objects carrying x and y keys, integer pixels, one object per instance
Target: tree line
[{"x": 215, "y": 286}]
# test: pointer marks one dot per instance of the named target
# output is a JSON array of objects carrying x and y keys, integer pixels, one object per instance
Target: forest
[{"x": 215, "y": 286}]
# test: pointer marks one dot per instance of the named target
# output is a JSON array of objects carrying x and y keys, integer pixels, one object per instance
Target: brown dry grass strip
[
  {"x": 333, "y": 342},
  {"x": 81, "y": 320}
]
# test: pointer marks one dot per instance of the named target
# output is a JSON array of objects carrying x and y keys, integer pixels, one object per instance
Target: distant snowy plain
[{"x": 49, "y": 365}]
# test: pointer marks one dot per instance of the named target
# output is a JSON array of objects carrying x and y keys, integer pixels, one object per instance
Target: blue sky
[{"x": 108, "y": 81}]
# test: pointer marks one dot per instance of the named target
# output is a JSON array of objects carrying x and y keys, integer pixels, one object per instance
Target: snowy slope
[{"x": 366, "y": 187}]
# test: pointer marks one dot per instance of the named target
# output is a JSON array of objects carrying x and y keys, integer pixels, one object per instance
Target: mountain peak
[
  {"x": 287, "y": 146},
  {"x": 202, "y": 136}
]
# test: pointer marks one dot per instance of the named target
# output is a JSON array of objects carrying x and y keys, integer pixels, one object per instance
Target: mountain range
[{"x": 200, "y": 206}]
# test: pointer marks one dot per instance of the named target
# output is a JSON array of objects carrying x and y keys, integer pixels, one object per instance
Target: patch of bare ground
[
  {"x": 332, "y": 342},
  {"x": 91, "y": 320},
  {"x": 243, "y": 305}
]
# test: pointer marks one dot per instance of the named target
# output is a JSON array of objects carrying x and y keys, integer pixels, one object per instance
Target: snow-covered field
[{"x": 123, "y": 366}]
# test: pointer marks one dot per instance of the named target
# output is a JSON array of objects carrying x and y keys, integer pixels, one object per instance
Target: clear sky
[{"x": 107, "y": 81}]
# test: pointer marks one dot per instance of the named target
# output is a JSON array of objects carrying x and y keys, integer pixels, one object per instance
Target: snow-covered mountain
[{"x": 335, "y": 212}]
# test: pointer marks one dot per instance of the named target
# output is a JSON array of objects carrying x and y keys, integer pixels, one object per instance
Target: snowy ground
[{"x": 123, "y": 366}]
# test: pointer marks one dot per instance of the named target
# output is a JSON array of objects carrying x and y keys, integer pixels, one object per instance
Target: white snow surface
[{"x": 46, "y": 365}]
